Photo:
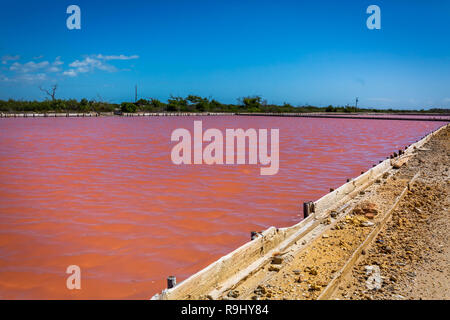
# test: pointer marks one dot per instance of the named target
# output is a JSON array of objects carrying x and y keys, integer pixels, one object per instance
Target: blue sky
[{"x": 316, "y": 52}]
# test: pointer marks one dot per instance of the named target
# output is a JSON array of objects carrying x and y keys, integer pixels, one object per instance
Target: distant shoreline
[{"x": 442, "y": 117}]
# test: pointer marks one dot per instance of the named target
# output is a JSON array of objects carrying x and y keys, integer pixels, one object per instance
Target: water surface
[{"x": 103, "y": 194}]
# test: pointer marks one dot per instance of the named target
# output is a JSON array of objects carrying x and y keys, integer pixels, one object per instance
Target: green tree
[
  {"x": 200, "y": 104},
  {"x": 128, "y": 107},
  {"x": 252, "y": 104},
  {"x": 330, "y": 109},
  {"x": 176, "y": 104}
]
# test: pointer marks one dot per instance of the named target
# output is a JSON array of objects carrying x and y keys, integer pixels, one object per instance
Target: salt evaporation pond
[{"x": 103, "y": 194}]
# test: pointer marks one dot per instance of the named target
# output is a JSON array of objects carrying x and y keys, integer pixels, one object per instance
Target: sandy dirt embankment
[{"x": 391, "y": 241}]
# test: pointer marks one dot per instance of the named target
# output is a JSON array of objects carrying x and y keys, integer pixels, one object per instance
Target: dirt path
[
  {"x": 405, "y": 256},
  {"x": 412, "y": 250}
]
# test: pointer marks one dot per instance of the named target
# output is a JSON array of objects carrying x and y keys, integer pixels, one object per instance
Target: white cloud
[
  {"x": 88, "y": 64},
  {"x": 58, "y": 61},
  {"x": 33, "y": 71},
  {"x": 55, "y": 67},
  {"x": 29, "y": 77},
  {"x": 70, "y": 73},
  {"x": 39, "y": 70},
  {"x": 119, "y": 57},
  {"x": 28, "y": 67},
  {"x": 7, "y": 58},
  {"x": 33, "y": 77},
  {"x": 95, "y": 62},
  {"x": 31, "y": 66}
]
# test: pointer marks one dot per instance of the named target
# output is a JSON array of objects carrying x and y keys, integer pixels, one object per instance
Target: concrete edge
[{"x": 331, "y": 287}]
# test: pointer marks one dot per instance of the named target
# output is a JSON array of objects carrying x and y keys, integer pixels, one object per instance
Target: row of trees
[
  {"x": 194, "y": 103},
  {"x": 190, "y": 103},
  {"x": 57, "y": 105}
]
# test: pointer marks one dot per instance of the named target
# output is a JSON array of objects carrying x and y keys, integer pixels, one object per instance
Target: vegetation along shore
[{"x": 189, "y": 104}]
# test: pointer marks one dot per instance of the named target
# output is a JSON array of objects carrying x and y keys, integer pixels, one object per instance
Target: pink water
[{"x": 103, "y": 194}]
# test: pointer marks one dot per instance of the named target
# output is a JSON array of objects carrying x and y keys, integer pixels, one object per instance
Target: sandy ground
[
  {"x": 412, "y": 250},
  {"x": 405, "y": 257}
]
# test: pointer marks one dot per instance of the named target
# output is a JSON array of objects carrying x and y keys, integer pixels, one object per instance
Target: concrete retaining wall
[
  {"x": 423, "y": 117},
  {"x": 51, "y": 114},
  {"x": 174, "y": 114}
]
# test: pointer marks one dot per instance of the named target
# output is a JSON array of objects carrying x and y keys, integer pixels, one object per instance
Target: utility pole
[{"x": 135, "y": 93}]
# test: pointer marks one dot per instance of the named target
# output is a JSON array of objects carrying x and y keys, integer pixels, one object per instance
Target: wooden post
[
  {"x": 308, "y": 208},
  {"x": 171, "y": 282}
]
